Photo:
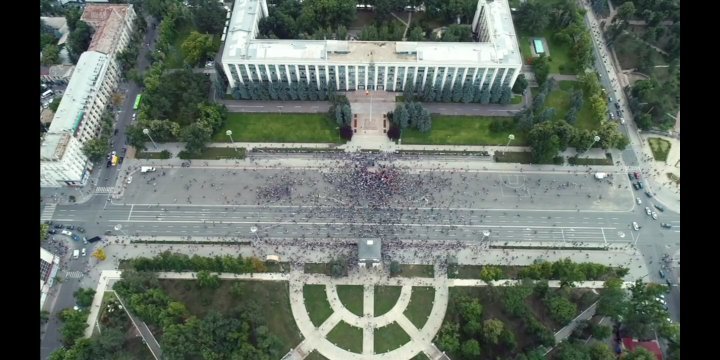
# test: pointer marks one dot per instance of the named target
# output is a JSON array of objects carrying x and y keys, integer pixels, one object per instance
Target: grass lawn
[
  {"x": 351, "y": 296},
  {"x": 216, "y": 153},
  {"x": 390, "y": 337},
  {"x": 461, "y": 130},
  {"x": 347, "y": 337},
  {"x": 385, "y": 298},
  {"x": 272, "y": 298},
  {"x": 311, "y": 268},
  {"x": 316, "y": 303},
  {"x": 420, "y": 306},
  {"x": 516, "y": 99},
  {"x": 522, "y": 157},
  {"x": 660, "y": 148},
  {"x": 590, "y": 161},
  {"x": 559, "y": 99},
  {"x": 420, "y": 356},
  {"x": 288, "y": 128},
  {"x": 473, "y": 271},
  {"x": 628, "y": 49},
  {"x": 148, "y": 155},
  {"x": 559, "y": 53},
  {"x": 416, "y": 270}
]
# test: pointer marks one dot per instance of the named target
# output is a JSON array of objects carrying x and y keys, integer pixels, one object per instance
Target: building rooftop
[
  {"x": 63, "y": 71},
  {"x": 652, "y": 346},
  {"x": 501, "y": 49},
  {"x": 54, "y": 145},
  {"x": 90, "y": 67},
  {"x": 107, "y": 20},
  {"x": 369, "y": 250}
]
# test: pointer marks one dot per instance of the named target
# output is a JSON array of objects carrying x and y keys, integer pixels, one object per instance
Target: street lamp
[
  {"x": 511, "y": 137},
  {"x": 147, "y": 132},
  {"x": 253, "y": 230},
  {"x": 118, "y": 227},
  {"x": 595, "y": 139},
  {"x": 229, "y": 133}
]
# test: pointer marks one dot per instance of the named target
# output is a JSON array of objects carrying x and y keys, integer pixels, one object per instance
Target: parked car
[
  {"x": 659, "y": 207},
  {"x": 640, "y": 186},
  {"x": 52, "y": 231},
  {"x": 58, "y": 226},
  {"x": 70, "y": 227},
  {"x": 635, "y": 226},
  {"x": 75, "y": 237},
  {"x": 80, "y": 229},
  {"x": 648, "y": 211},
  {"x": 666, "y": 225},
  {"x": 66, "y": 233},
  {"x": 654, "y": 215},
  {"x": 662, "y": 275},
  {"x": 129, "y": 179},
  {"x": 635, "y": 186},
  {"x": 639, "y": 201},
  {"x": 83, "y": 252},
  {"x": 648, "y": 194}
]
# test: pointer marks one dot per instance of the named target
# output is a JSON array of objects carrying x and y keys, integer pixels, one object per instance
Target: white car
[
  {"x": 648, "y": 211},
  {"x": 83, "y": 252},
  {"x": 66, "y": 233},
  {"x": 639, "y": 201},
  {"x": 654, "y": 215},
  {"x": 129, "y": 179},
  {"x": 635, "y": 226}
]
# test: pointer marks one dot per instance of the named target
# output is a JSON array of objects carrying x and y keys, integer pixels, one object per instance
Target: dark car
[
  {"x": 109, "y": 163},
  {"x": 631, "y": 177},
  {"x": 75, "y": 237},
  {"x": 94, "y": 239},
  {"x": 58, "y": 226},
  {"x": 669, "y": 283},
  {"x": 666, "y": 225},
  {"x": 70, "y": 227},
  {"x": 662, "y": 274},
  {"x": 80, "y": 229},
  {"x": 639, "y": 185},
  {"x": 659, "y": 207},
  {"x": 635, "y": 185},
  {"x": 52, "y": 231},
  {"x": 648, "y": 194},
  {"x": 115, "y": 132}
]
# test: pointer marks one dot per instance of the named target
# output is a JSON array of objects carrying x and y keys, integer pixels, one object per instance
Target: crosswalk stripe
[
  {"x": 74, "y": 274},
  {"x": 48, "y": 212},
  {"x": 104, "y": 190}
]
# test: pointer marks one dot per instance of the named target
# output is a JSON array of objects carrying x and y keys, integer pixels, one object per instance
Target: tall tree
[
  {"x": 533, "y": 16},
  {"x": 541, "y": 69},
  {"x": 208, "y": 16},
  {"x": 520, "y": 84},
  {"x": 197, "y": 47},
  {"x": 416, "y": 34}
]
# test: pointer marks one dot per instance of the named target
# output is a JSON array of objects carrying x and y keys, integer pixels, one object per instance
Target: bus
[{"x": 137, "y": 102}]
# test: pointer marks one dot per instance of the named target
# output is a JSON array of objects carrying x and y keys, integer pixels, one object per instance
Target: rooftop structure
[
  {"x": 492, "y": 59},
  {"x": 110, "y": 23},
  {"x": 652, "y": 346},
  {"x": 48, "y": 269},
  {"x": 369, "y": 252},
  {"x": 500, "y": 48},
  {"x": 89, "y": 70}
]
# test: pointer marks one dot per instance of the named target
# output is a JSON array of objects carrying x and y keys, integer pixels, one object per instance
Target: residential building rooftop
[{"x": 107, "y": 21}]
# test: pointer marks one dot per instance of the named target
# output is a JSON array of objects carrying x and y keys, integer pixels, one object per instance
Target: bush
[
  {"x": 394, "y": 133},
  {"x": 346, "y": 132},
  {"x": 165, "y": 155}
]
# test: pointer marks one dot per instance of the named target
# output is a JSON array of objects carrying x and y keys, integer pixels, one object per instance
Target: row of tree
[
  {"x": 411, "y": 115},
  {"x": 341, "y": 114},
  {"x": 468, "y": 92},
  {"x": 569, "y": 272},
  {"x": 97, "y": 148},
  {"x": 127, "y": 59},
  {"x": 280, "y": 90},
  {"x": 168, "y": 261}
]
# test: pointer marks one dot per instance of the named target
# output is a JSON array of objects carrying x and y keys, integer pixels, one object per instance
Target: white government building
[
  {"x": 77, "y": 119},
  {"x": 372, "y": 65}
]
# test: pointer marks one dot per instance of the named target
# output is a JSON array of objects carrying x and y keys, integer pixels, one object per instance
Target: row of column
[{"x": 283, "y": 72}]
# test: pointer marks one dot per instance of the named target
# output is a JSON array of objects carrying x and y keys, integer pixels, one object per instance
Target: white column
[
  {"x": 287, "y": 74},
  {"x": 247, "y": 71},
  {"x": 347, "y": 78},
  {"x": 444, "y": 76},
  {"x": 375, "y": 81},
  {"x": 435, "y": 72},
  {"x": 502, "y": 79},
  {"x": 395, "y": 79},
  {"x": 355, "y": 67},
  {"x": 492, "y": 81},
  {"x": 297, "y": 73},
  {"x": 366, "y": 67},
  {"x": 464, "y": 76},
  {"x": 425, "y": 76},
  {"x": 454, "y": 78},
  {"x": 263, "y": 4},
  {"x": 267, "y": 72},
  {"x": 415, "y": 77},
  {"x": 405, "y": 71},
  {"x": 515, "y": 75},
  {"x": 258, "y": 72},
  {"x": 475, "y": 75},
  {"x": 317, "y": 77},
  {"x": 327, "y": 74},
  {"x": 385, "y": 78},
  {"x": 482, "y": 81},
  {"x": 307, "y": 74}
]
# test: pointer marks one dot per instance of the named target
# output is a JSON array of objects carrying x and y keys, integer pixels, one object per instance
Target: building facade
[
  {"x": 90, "y": 89},
  {"x": 494, "y": 59}
]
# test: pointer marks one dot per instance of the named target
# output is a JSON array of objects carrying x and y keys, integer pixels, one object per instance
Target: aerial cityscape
[{"x": 360, "y": 179}]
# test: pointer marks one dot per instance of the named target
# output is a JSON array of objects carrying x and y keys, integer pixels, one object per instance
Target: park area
[
  {"x": 273, "y": 299},
  {"x": 660, "y": 148},
  {"x": 558, "y": 59},
  {"x": 462, "y": 130},
  {"x": 287, "y": 128},
  {"x": 560, "y": 98}
]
